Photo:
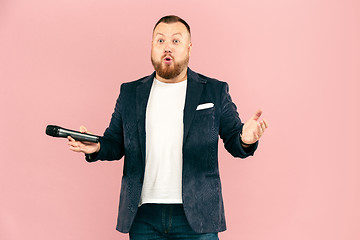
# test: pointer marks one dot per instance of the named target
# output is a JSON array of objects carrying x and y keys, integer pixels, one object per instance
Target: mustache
[{"x": 167, "y": 55}]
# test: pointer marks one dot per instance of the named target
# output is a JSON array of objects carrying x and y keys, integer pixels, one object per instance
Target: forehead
[{"x": 168, "y": 29}]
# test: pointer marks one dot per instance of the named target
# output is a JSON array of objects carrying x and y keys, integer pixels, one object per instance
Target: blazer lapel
[
  {"x": 194, "y": 89},
  {"x": 142, "y": 97}
]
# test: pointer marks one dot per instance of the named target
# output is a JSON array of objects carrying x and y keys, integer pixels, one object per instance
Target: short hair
[{"x": 173, "y": 19}]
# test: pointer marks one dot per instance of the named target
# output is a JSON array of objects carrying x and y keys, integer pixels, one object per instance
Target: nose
[{"x": 167, "y": 48}]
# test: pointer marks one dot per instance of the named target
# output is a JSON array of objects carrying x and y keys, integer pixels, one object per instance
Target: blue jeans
[{"x": 164, "y": 221}]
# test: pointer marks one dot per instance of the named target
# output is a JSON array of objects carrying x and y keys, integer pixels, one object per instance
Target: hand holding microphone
[
  {"x": 85, "y": 147},
  {"x": 82, "y": 141}
]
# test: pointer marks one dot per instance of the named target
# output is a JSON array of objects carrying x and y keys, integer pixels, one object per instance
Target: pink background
[{"x": 62, "y": 62}]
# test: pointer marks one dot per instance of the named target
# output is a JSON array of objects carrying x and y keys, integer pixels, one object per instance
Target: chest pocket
[
  {"x": 206, "y": 111},
  {"x": 204, "y": 120}
]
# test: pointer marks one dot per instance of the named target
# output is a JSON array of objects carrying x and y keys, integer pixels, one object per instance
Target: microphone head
[{"x": 52, "y": 130}]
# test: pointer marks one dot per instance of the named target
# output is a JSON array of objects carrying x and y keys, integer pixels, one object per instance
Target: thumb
[
  {"x": 257, "y": 115},
  {"x": 83, "y": 129}
]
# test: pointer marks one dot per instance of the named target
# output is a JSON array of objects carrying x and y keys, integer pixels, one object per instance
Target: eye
[
  {"x": 176, "y": 41},
  {"x": 160, "y": 40}
]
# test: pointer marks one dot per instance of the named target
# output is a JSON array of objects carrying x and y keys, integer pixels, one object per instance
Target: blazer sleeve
[
  {"x": 112, "y": 143},
  {"x": 231, "y": 127}
]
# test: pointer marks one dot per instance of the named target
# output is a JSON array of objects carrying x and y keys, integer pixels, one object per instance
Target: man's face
[{"x": 170, "y": 51}]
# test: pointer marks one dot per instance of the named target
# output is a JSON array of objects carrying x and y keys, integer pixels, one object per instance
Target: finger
[
  {"x": 257, "y": 132},
  {"x": 256, "y": 136},
  {"x": 83, "y": 129},
  {"x": 266, "y": 123},
  {"x": 75, "y": 149},
  {"x": 263, "y": 126},
  {"x": 259, "y": 129},
  {"x": 257, "y": 115},
  {"x": 77, "y": 145},
  {"x": 70, "y": 139},
  {"x": 73, "y": 144}
]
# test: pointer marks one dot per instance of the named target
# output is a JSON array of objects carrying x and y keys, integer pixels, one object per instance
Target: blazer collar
[
  {"x": 194, "y": 89},
  {"x": 142, "y": 96}
]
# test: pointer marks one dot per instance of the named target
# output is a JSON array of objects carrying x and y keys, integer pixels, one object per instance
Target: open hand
[{"x": 253, "y": 129}]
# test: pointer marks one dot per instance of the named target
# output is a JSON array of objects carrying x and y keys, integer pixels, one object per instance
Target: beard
[{"x": 169, "y": 71}]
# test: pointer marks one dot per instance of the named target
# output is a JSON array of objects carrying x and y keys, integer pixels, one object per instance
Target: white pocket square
[{"x": 204, "y": 106}]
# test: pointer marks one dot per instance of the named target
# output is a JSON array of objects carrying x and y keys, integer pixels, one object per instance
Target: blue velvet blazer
[{"x": 201, "y": 187}]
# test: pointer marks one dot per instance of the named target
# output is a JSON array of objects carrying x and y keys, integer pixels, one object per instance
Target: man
[{"x": 167, "y": 127}]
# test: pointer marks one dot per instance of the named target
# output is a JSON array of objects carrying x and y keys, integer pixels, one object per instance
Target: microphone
[{"x": 56, "y": 131}]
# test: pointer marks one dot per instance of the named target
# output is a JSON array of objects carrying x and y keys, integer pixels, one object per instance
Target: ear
[{"x": 190, "y": 47}]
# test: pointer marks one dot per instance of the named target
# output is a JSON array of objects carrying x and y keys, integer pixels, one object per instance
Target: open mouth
[{"x": 168, "y": 60}]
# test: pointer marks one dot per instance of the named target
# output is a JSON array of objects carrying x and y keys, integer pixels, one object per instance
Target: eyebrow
[{"x": 172, "y": 35}]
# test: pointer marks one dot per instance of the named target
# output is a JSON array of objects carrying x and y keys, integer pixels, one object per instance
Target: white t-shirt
[{"x": 164, "y": 138}]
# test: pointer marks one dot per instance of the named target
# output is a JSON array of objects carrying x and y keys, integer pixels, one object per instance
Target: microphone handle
[{"x": 79, "y": 136}]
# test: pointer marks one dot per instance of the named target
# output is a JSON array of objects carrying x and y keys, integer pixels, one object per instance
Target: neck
[{"x": 179, "y": 78}]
